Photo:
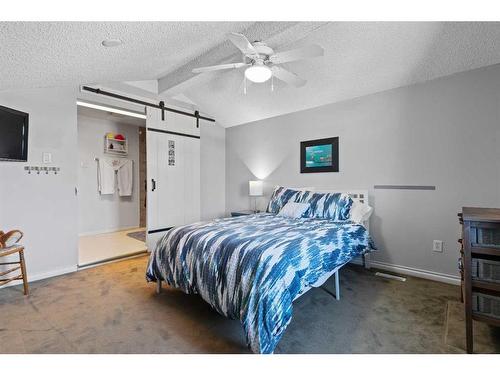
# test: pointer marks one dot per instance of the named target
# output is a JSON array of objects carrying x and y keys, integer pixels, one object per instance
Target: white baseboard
[
  {"x": 43, "y": 275},
  {"x": 410, "y": 271}
]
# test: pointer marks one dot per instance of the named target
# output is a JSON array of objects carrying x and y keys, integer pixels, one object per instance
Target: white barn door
[{"x": 173, "y": 170}]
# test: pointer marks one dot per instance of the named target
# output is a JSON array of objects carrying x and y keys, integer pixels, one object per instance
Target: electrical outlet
[{"x": 437, "y": 246}]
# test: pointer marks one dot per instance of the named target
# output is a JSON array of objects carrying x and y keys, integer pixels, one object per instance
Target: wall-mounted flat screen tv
[{"x": 13, "y": 135}]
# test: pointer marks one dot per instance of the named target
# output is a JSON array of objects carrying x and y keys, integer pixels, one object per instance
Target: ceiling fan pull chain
[
  {"x": 272, "y": 83},
  {"x": 245, "y": 85}
]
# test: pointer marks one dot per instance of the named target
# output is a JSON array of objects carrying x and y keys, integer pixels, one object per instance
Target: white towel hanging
[
  {"x": 125, "y": 174},
  {"x": 105, "y": 176},
  {"x": 106, "y": 170}
]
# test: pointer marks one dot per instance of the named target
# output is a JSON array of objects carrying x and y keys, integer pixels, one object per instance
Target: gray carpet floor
[{"x": 111, "y": 309}]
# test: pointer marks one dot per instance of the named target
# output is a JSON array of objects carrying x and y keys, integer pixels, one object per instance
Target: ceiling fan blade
[
  {"x": 312, "y": 50},
  {"x": 288, "y": 77},
  {"x": 219, "y": 67},
  {"x": 241, "y": 41}
]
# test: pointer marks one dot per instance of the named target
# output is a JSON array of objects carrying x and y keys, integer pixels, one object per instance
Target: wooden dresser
[{"x": 481, "y": 267}]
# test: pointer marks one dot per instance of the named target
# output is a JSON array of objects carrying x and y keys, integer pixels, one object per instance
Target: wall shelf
[{"x": 115, "y": 146}]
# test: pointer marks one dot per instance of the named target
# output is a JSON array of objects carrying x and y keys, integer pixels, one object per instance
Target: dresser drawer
[
  {"x": 485, "y": 239},
  {"x": 485, "y": 270},
  {"x": 489, "y": 237},
  {"x": 486, "y": 305}
]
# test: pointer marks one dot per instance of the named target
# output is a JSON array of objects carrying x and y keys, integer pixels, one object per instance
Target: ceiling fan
[{"x": 263, "y": 63}]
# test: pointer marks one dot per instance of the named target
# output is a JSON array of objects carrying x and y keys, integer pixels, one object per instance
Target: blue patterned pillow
[
  {"x": 281, "y": 195},
  {"x": 331, "y": 206}
]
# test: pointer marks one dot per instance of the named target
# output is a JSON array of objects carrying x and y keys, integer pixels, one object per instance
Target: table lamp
[{"x": 255, "y": 190}]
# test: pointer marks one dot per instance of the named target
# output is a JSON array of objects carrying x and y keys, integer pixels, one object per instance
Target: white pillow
[
  {"x": 360, "y": 212},
  {"x": 295, "y": 188},
  {"x": 301, "y": 188},
  {"x": 293, "y": 210}
]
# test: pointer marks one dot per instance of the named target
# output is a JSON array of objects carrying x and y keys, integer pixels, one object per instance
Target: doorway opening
[{"x": 111, "y": 189}]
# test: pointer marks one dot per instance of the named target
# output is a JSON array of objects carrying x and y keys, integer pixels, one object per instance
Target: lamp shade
[{"x": 255, "y": 188}]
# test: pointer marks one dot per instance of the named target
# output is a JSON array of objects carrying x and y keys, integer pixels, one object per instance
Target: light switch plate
[{"x": 47, "y": 157}]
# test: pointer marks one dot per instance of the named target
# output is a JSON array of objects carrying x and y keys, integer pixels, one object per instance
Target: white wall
[
  {"x": 442, "y": 132},
  {"x": 44, "y": 206},
  {"x": 104, "y": 213}
]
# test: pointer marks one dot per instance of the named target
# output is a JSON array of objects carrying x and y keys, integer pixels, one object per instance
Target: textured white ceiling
[
  {"x": 41, "y": 54},
  {"x": 360, "y": 58}
]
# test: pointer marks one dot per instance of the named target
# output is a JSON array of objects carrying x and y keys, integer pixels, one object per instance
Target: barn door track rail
[{"x": 160, "y": 105}]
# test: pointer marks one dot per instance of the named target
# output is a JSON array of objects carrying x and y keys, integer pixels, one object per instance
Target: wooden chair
[{"x": 21, "y": 265}]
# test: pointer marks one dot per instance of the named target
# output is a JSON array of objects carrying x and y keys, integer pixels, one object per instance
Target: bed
[{"x": 252, "y": 268}]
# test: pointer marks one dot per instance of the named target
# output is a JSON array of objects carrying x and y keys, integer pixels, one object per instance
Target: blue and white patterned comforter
[{"x": 252, "y": 267}]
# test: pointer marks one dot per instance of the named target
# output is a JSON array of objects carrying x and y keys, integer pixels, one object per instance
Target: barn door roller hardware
[
  {"x": 160, "y": 105},
  {"x": 197, "y": 115}
]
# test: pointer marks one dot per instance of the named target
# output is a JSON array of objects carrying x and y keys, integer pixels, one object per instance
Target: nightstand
[{"x": 243, "y": 213}]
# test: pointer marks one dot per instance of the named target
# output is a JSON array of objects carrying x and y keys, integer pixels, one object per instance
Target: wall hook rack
[{"x": 38, "y": 169}]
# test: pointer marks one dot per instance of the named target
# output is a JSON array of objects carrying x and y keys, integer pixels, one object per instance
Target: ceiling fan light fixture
[{"x": 258, "y": 73}]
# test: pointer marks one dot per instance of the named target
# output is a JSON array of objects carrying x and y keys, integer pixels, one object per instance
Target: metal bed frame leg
[
  {"x": 158, "y": 286},
  {"x": 337, "y": 285},
  {"x": 366, "y": 261}
]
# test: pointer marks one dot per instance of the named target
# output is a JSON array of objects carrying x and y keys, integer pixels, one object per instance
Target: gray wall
[
  {"x": 104, "y": 213},
  {"x": 44, "y": 206},
  {"x": 442, "y": 132},
  {"x": 213, "y": 170}
]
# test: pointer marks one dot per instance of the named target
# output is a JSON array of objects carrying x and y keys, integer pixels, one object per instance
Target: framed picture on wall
[{"x": 319, "y": 155}]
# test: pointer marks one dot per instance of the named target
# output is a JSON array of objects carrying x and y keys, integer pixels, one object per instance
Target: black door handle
[{"x": 153, "y": 183}]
